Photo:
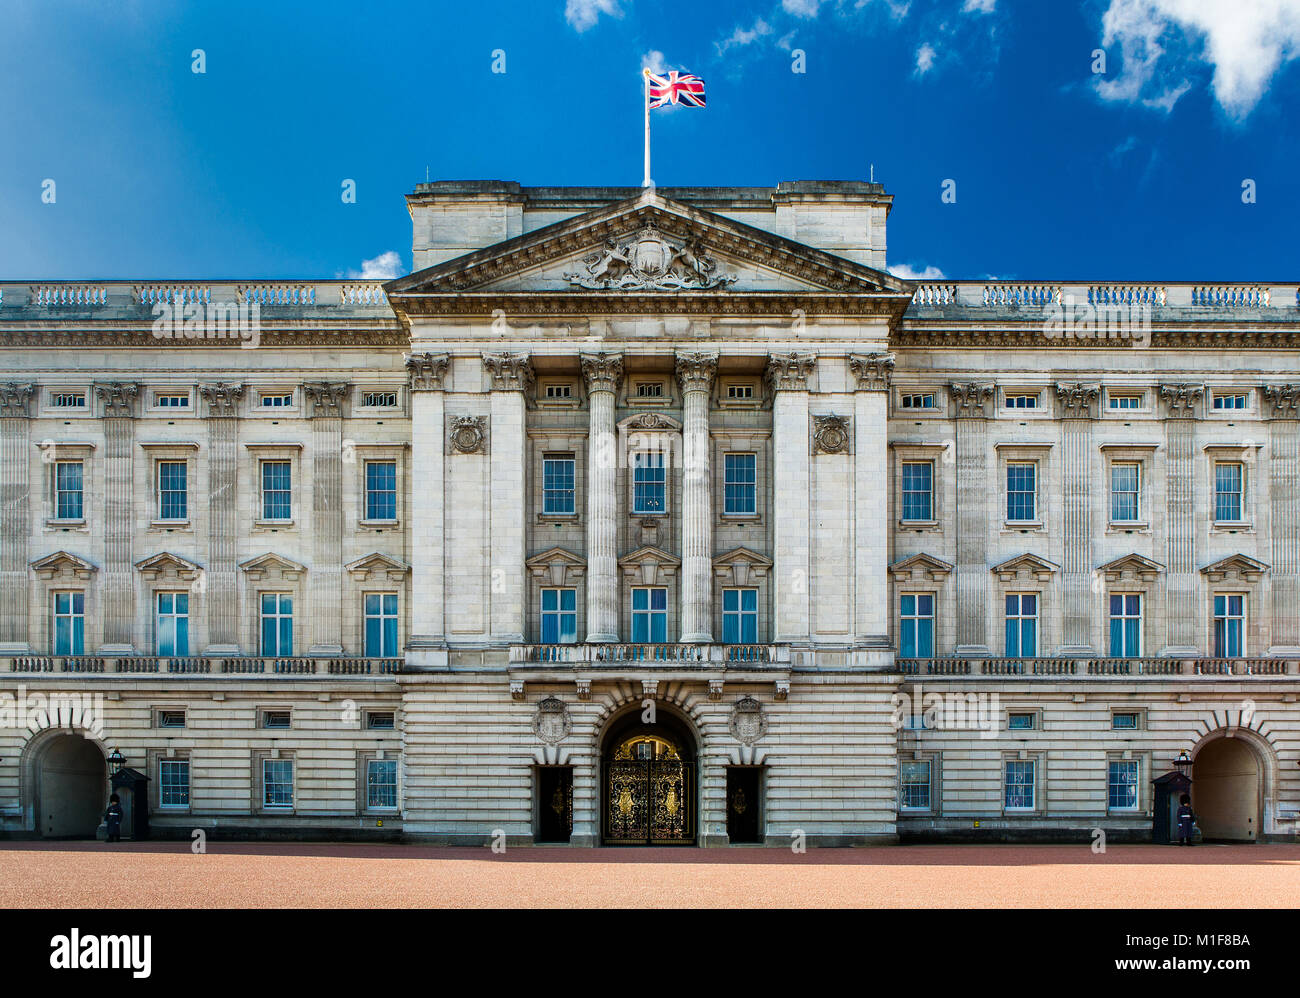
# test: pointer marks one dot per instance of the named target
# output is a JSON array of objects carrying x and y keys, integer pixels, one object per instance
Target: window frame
[
  {"x": 1136, "y": 784},
  {"x": 163, "y": 803},
  {"x": 1032, "y": 619},
  {"x": 280, "y": 617},
  {"x": 559, "y": 612},
  {"x": 173, "y": 615},
  {"x": 559, "y": 457},
  {"x": 1124, "y": 595},
  {"x": 664, "y": 468},
  {"x": 72, "y": 616},
  {"x": 903, "y": 784},
  {"x": 916, "y": 617},
  {"x": 729, "y": 483},
  {"x": 648, "y": 613},
  {"x": 367, "y": 513},
  {"x": 1035, "y": 517},
  {"x": 1241, "y": 617},
  {"x": 1032, "y": 784},
  {"x": 741, "y": 614}
]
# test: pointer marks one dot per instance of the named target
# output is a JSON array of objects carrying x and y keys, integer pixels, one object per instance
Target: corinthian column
[
  {"x": 118, "y": 400},
  {"x": 1180, "y": 517},
  {"x": 1284, "y": 519},
  {"x": 602, "y": 373},
  {"x": 787, "y": 378},
  {"x": 695, "y": 372},
  {"x": 872, "y": 373},
  {"x": 15, "y": 502},
  {"x": 326, "y": 584},
  {"x": 1077, "y": 413},
  {"x": 223, "y": 517},
  {"x": 426, "y": 373},
  {"x": 974, "y": 511}
]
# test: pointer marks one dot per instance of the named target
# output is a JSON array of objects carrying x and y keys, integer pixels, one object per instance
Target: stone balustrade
[
  {"x": 200, "y": 666},
  {"x": 125, "y": 294},
  {"x": 993, "y": 668},
  {"x": 1017, "y": 295},
  {"x": 606, "y": 654}
]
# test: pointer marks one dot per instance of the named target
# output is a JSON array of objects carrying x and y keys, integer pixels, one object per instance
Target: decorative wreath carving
[
  {"x": 830, "y": 434},
  {"x": 468, "y": 434}
]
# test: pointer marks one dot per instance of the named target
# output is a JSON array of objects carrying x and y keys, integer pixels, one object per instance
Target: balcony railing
[
  {"x": 1118, "y": 667},
  {"x": 693, "y": 655},
  {"x": 1020, "y": 295},
  {"x": 204, "y": 666},
  {"x": 125, "y": 294}
]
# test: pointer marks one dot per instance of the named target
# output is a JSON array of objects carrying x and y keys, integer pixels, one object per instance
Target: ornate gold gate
[{"x": 649, "y": 795}]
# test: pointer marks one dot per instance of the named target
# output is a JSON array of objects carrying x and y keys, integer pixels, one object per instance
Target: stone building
[{"x": 661, "y": 516}]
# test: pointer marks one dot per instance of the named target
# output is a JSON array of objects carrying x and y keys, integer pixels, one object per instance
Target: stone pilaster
[
  {"x": 15, "y": 514},
  {"x": 1182, "y": 609},
  {"x": 426, "y": 373},
  {"x": 221, "y": 572},
  {"x": 1078, "y": 410},
  {"x": 118, "y": 400},
  {"x": 602, "y": 373},
  {"x": 872, "y": 373},
  {"x": 325, "y": 403},
  {"x": 787, "y": 378},
  {"x": 511, "y": 377},
  {"x": 695, "y": 374},
  {"x": 1283, "y": 409},
  {"x": 976, "y": 507}
]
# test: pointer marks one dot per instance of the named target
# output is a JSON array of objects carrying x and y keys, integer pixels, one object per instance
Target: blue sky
[{"x": 1060, "y": 172}]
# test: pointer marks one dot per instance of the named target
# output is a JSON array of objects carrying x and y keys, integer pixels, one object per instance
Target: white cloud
[
  {"x": 925, "y": 58},
  {"x": 909, "y": 273},
  {"x": 1245, "y": 42},
  {"x": 979, "y": 6},
  {"x": 744, "y": 36},
  {"x": 583, "y": 14},
  {"x": 384, "y": 267},
  {"x": 654, "y": 61},
  {"x": 801, "y": 8}
]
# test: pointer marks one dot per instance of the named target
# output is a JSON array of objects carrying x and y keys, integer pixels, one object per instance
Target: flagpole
[{"x": 645, "y": 79}]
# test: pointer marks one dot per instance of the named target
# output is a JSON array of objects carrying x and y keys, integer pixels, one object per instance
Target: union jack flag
[{"x": 675, "y": 88}]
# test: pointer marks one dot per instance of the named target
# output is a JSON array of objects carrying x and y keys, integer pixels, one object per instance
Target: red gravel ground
[{"x": 247, "y": 875}]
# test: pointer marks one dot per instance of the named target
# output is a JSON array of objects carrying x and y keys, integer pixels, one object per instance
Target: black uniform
[
  {"x": 113, "y": 818},
  {"x": 1185, "y": 821}
]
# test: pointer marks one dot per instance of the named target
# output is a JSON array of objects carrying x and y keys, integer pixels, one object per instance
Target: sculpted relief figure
[{"x": 647, "y": 261}]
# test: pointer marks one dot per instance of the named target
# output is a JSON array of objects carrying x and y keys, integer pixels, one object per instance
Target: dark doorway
[
  {"x": 554, "y": 803},
  {"x": 71, "y": 788},
  {"x": 648, "y": 785},
  {"x": 744, "y": 797}
]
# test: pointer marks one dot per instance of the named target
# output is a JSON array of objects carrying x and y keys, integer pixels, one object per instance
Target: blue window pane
[
  {"x": 1131, "y": 636},
  {"x": 550, "y": 629},
  {"x": 550, "y": 600},
  {"x": 286, "y": 635},
  {"x": 164, "y": 602},
  {"x": 381, "y": 490},
  {"x": 557, "y": 485},
  {"x": 730, "y": 600},
  {"x": 658, "y": 599},
  {"x": 1116, "y": 637},
  {"x": 918, "y": 490},
  {"x": 925, "y": 605},
  {"x": 907, "y": 604},
  {"x": 640, "y": 599},
  {"x": 268, "y": 636},
  {"x": 1012, "y": 639},
  {"x": 907, "y": 640},
  {"x": 731, "y": 628},
  {"x": 568, "y": 600},
  {"x": 740, "y": 491},
  {"x": 658, "y": 628},
  {"x": 390, "y": 636},
  {"x": 374, "y": 645},
  {"x": 1028, "y": 638},
  {"x": 749, "y": 600}
]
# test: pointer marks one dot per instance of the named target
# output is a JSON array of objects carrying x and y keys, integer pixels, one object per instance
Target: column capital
[
  {"x": 602, "y": 371},
  {"x": 874, "y": 371},
  {"x": 696, "y": 370},
  {"x": 425, "y": 371},
  {"x": 1181, "y": 399},
  {"x": 326, "y": 397},
  {"x": 1076, "y": 400},
  {"x": 789, "y": 371},
  {"x": 511, "y": 372},
  {"x": 14, "y": 399},
  {"x": 222, "y": 399},
  {"x": 1284, "y": 401},
  {"x": 118, "y": 398},
  {"x": 971, "y": 399}
]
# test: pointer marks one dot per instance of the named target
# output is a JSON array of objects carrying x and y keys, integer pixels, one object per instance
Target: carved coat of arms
[
  {"x": 552, "y": 723},
  {"x": 648, "y": 261},
  {"x": 748, "y": 722}
]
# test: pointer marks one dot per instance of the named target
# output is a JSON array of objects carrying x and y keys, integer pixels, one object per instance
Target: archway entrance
[
  {"x": 648, "y": 794},
  {"x": 1227, "y": 787},
  {"x": 70, "y": 780}
]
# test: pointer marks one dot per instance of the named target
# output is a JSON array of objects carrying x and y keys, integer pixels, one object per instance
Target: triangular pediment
[
  {"x": 649, "y": 244},
  {"x": 557, "y": 566},
  {"x": 272, "y": 564},
  {"x": 1026, "y": 566},
  {"x": 1131, "y": 566},
  {"x": 649, "y": 565},
  {"x": 378, "y": 566},
  {"x": 1235, "y": 566},
  {"x": 920, "y": 567},
  {"x": 741, "y": 566},
  {"x": 62, "y": 563},
  {"x": 165, "y": 563}
]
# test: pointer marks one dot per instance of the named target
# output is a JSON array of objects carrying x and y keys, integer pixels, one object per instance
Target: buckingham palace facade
[{"x": 660, "y": 516}]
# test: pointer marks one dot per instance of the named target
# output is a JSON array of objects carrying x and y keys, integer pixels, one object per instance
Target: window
[
  {"x": 1020, "y": 785},
  {"x": 920, "y": 400},
  {"x": 740, "y": 392},
  {"x": 739, "y": 616},
  {"x": 381, "y": 625},
  {"x": 649, "y": 616},
  {"x": 1022, "y": 625},
  {"x": 277, "y": 624},
  {"x": 1021, "y": 493},
  {"x": 68, "y": 490},
  {"x": 379, "y": 400},
  {"x": 648, "y": 478},
  {"x": 171, "y": 718},
  {"x": 1229, "y": 625},
  {"x": 1228, "y": 492},
  {"x": 1125, "y": 625},
  {"x": 276, "y": 490},
  {"x": 174, "y": 783},
  {"x": 918, "y": 490},
  {"x": 1125, "y": 721},
  {"x": 381, "y": 720},
  {"x": 171, "y": 490},
  {"x": 914, "y": 785},
  {"x": 1125, "y": 490},
  {"x": 1020, "y": 401},
  {"x": 1130, "y": 401},
  {"x": 650, "y": 389},
  {"x": 1022, "y": 722},
  {"x": 560, "y": 391},
  {"x": 740, "y": 483},
  {"x": 1234, "y": 400},
  {"x": 559, "y": 616},
  {"x": 277, "y": 782},
  {"x": 173, "y": 624},
  {"x": 171, "y": 400},
  {"x": 1122, "y": 785},
  {"x": 277, "y": 400},
  {"x": 68, "y": 400},
  {"x": 557, "y": 484},
  {"x": 276, "y": 719},
  {"x": 916, "y": 619},
  {"x": 69, "y": 623},
  {"x": 381, "y": 784},
  {"x": 381, "y": 490}
]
